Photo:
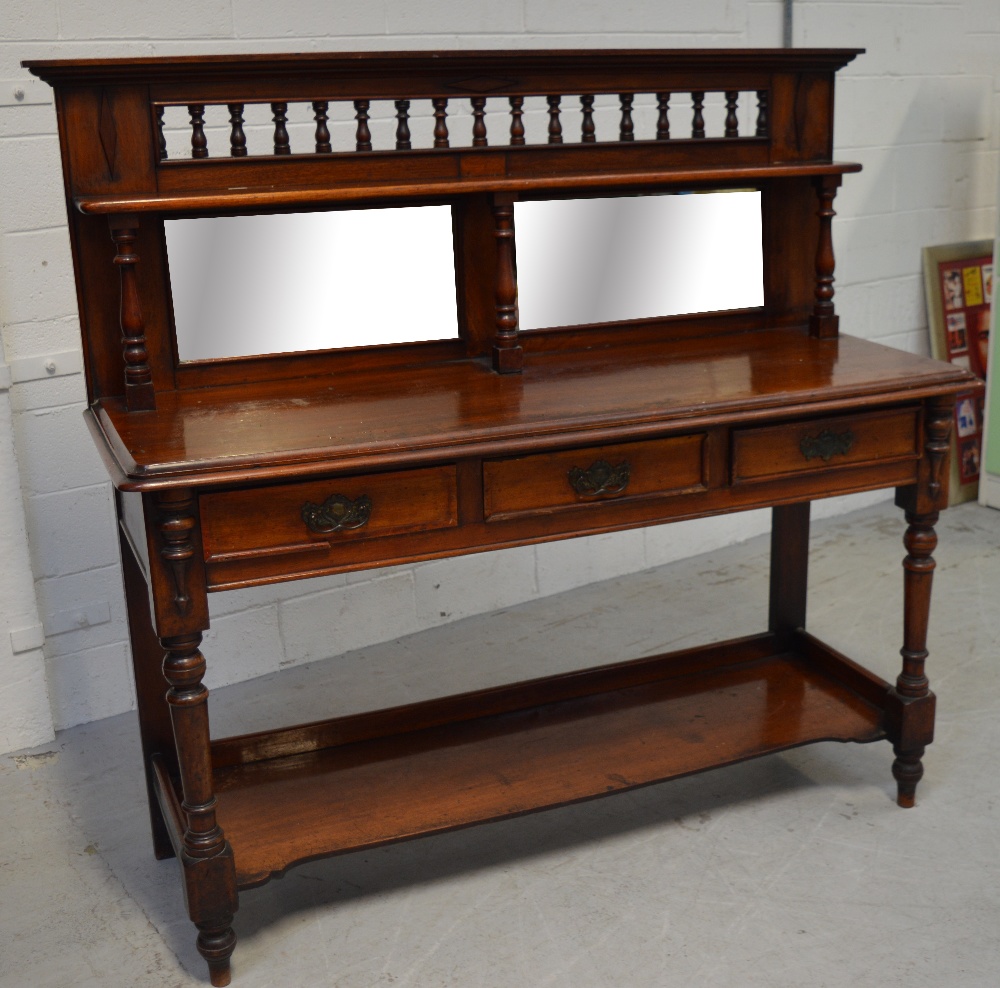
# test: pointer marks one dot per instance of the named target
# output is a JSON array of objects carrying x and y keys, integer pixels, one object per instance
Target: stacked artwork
[
  {"x": 959, "y": 282},
  {"x": 967, "y": 292}
]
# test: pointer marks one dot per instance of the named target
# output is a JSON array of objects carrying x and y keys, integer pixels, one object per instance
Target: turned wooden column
[
  {"x": 139, "y": 395},
  {"x": 211, "y": 895},
  {"x": 206, "y": 857},
  {"x": 507, "y": 354},
  {"x": 912, "y": 704},
  {"x": 824, "y": 322},
  {"x": 912, "y": 684}
]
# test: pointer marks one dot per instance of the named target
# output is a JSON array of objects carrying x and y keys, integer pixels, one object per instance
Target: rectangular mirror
[
  {"x": 246, "y": 285},
  {"x": 635, "y": 257}
]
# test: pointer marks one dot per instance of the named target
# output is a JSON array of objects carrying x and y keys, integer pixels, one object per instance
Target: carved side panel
[
  {"x": 930, "y": 493},
  {"x": 937, "y": 444},
  {"x": 176, "y": 559}
]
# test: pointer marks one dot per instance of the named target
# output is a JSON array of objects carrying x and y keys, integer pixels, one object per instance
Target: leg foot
[
  {"x": 907, "y": 770},
  {"x": 216, "y": 945}
]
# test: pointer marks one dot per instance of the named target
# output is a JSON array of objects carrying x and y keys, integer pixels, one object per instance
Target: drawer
[
  {"x": 315, "y": 515},
  {"x": 545, "y": 482},
  {"x": 826, "y": 444}
]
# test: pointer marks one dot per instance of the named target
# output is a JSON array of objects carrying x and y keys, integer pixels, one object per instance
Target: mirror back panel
[
  {"x": 290, "y": 282},
  {"x": 604, "y": 260}
]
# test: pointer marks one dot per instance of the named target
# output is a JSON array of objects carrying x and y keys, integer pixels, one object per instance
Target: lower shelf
[{"x": 445, "y": 764}]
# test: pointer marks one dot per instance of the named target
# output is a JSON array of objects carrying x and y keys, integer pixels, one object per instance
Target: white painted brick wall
[
  {"x": 921, "y": 111},
  {"x": 25, "y": 715}
]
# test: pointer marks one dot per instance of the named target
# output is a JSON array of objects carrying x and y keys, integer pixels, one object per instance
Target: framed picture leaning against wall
[{"x": 959, "y": 287}]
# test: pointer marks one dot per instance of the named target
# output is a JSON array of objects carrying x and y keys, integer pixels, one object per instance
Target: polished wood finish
[
  {"x": 269, "y": 521},
  {"x": 824, "y": 444},
  {"x": 543, "y": 482},
  {"x": 245, "y": 471},
  {"x": 540, "y": 744}
]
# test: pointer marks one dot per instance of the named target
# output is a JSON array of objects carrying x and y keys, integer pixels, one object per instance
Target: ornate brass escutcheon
[
  {"x": 337, "y": 514},
  {"x": 827, "y": 445},
  {"x": 600, "y": 478}
]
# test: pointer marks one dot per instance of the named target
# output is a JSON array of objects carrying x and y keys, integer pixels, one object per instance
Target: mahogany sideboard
[{"x": 248, "y": 470}]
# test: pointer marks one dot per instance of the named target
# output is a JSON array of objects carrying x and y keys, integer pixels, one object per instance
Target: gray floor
[{"x": 793, "y": 870}]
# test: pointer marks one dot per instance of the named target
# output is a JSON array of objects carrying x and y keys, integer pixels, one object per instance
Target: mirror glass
[
  {"x": 245, "y": 285},
  {"x": 634, "y": 257}
]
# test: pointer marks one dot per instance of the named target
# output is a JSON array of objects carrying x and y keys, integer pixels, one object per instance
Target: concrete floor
[{"x": 793, "y": 870}]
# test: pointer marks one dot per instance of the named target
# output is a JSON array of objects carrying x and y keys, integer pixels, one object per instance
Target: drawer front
[
  {"x": 296, "y": 517},
  {"x": 823, "y": 444},
  {"x": 551, "y": 481}
]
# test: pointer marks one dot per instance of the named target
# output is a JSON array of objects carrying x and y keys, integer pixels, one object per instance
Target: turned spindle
[
  {"x": 237, "y": 139},
  {"x": 280, "y": 117},
  {"x": 732, "y": 121},
  {"x": 479, "y": 121},
  {"x": 762, "y": 120},
  {"x": 588, "y": 131},
  {"x": 627, "y": 130},
  {"x": 363, "y": 136},
  {"x": 555, "y": 126},
  {"x": 440, "y": 122},
  {"x": 517, "y": 120},
  {"x": 698, "y": 115},
  {"x": 663, "y": 118},
  {"x": 199, "y": 142},
  {"x": 320, "y": 111},
  {"x": 403, "y": 125}
]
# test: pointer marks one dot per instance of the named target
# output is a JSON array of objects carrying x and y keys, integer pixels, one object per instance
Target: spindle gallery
[
  {"x": 577, "y": 118},
  {"x": 248, "y": 470}
]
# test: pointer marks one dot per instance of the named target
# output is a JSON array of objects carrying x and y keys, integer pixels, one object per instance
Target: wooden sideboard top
[{"x": 391, "y": 418}]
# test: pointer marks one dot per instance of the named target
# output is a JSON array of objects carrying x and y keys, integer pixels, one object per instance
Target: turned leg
[
  {"x": 914, "y": 702},
  {"x": 209, "y": 874},
  {"x": 910, "y": 704},
  {"x": 181, "y": 613}
]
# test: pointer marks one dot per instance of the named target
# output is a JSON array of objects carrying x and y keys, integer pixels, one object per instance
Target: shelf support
[
  {"x": 824, "y": 322},
  {"x": 139, "y": 395},
  {"x": 508, "y": 357}
]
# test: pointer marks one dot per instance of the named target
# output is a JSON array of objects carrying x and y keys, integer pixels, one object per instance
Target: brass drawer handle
[
  {"x": 337, "y": 514},
  {"x": 600, "y": 478},
  {"x": 827, "y": 445}
]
